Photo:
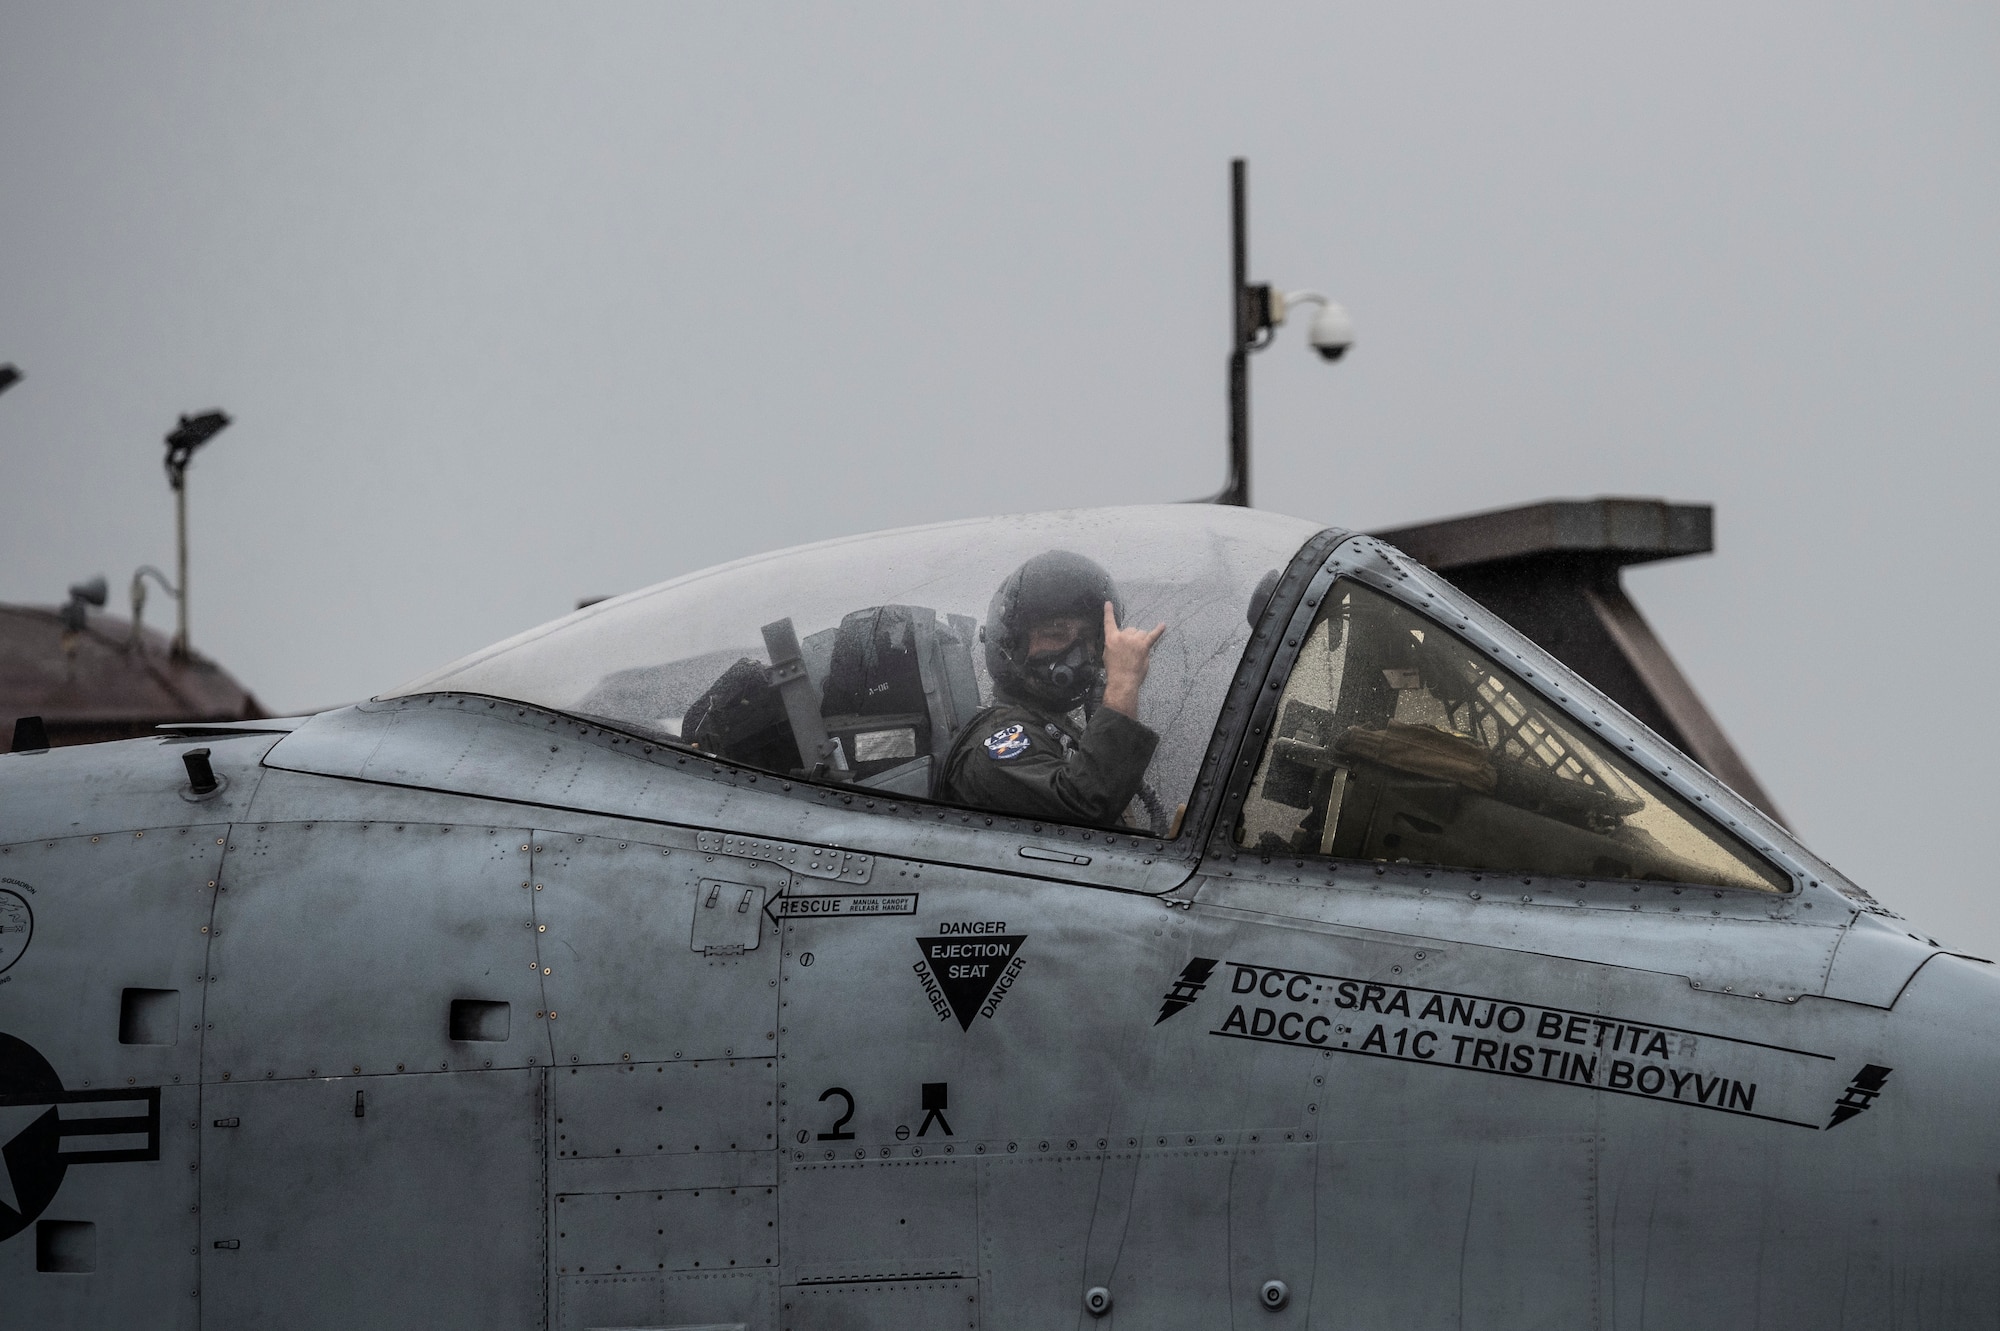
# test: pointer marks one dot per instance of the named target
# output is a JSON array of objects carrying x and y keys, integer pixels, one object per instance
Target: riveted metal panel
[
  {"x": 1731, "y": 1200},
  {"x": 677, "y": 1229},
  {"x": 146, "y": 1272},
  {"x": 1737, "y": 942},
  {"x": 1175, "y": 1219},
  {"x": 882, "y": 1219},
  {"x": 1041, "y": 1243},
  {"x": 102, "y": 913},
  {"x": 1273, "y": 1231},
  {"x": 806, "y": 861},
  {"x": 637, "y": 1110},
  {"x": 524, "y": 755},
  {"x": 424, "y": 1209},
  {"x": 1054, "y": 1050},
  {"x": 623, "y": 985},
  {"x": 1380, "y": 1022},
  {"x": 689, "y": 1169},
  {"x": 1440, "y": 1232},
  {"x": 342, "y": 946},
  {"x": 123, "y": 786},
  {"x": 1875, "y": 960},
  {"x": 1050, "y": 1070},
  {"x": 689, "y": 1301},
  {"x": 882, "y": 1305}
]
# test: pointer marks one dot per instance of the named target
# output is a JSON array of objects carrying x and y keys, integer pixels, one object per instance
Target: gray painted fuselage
[{"x": 447, "y": 1011}]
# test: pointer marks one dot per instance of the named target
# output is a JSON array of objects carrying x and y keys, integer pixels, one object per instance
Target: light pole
[
  {"x": 1256, "y": 311},
  {"x": 182, "y": 441}
]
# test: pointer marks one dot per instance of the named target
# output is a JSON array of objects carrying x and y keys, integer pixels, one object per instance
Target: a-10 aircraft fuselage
[{"x": 457, "y": 1009}]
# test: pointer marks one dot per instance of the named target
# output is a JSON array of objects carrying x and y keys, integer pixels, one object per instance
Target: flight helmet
[{"x": 1050, "y": 586}]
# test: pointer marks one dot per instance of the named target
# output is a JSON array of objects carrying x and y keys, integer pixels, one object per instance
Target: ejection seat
[
  {"x": 898, "y": 686},
  {"x": 875, "y": 701}
]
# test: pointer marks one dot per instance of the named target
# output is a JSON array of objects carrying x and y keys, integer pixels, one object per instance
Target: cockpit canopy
[{"x": 859, "y": 660}]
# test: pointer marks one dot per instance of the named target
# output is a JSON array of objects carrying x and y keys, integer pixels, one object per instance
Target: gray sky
[{"x": 517, "y": 304}]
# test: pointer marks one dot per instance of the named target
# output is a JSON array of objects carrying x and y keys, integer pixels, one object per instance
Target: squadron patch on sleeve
[{"x": 1009, "y": 742}]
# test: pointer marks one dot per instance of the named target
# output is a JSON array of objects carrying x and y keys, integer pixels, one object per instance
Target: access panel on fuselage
[
  {"x": 637, "y": 966},
  {"x": 374, "y": 1068},
  {"x": 1557, "y": 1126},
  {"x": 103, "y": 966},
  {"x": 974, "y": 1084},
  {"x": 396, "y": 1200},
  {"x": 373, "y": 948},
  {"x": 661, "y": 969}
]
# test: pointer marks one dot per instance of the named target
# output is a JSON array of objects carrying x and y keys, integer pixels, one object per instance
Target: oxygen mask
[{"x": 1064, "y": 677}]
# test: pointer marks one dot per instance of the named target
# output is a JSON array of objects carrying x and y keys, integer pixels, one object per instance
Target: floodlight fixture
[
  {"x": 185, "y": 438},
  {"x": 191, "y": 433}
]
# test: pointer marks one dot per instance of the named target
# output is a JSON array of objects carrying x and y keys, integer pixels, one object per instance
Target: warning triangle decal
[{"x": 966, "y": 968}]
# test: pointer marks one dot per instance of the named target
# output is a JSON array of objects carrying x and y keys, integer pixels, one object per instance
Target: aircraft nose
[{"x": 1920, "y": 1093}]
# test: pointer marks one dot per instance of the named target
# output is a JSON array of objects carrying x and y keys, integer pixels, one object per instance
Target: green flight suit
[{"x": 1030, "y": 763}]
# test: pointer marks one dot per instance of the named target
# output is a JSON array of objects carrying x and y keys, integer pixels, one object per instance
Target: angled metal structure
[{"x": 1552, "y": 570}]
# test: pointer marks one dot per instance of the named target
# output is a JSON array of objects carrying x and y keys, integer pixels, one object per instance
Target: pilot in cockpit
[{"x": 1054, "y": 647}]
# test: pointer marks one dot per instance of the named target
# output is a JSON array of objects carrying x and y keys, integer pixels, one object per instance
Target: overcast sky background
[{"x": 518, "y": 304}]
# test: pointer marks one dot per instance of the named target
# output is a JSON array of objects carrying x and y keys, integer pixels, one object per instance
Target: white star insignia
[{"x": 14, "y": 1120}]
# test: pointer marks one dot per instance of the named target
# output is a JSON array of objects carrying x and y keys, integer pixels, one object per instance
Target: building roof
[
  {"x": 1625, "y": 531},
  {"x": 96, "y": 684}
]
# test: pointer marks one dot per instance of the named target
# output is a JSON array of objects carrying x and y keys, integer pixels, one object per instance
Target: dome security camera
[{"x": 1332, "y": 332}]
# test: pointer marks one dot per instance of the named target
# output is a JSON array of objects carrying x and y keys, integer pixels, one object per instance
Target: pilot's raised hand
[{"x": 1128, "y": 653}]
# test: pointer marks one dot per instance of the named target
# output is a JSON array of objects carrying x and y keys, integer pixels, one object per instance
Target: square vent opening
[
  {"x": 478, "y": 1019},
  {"x": 150, "y": 1016},
  {"x": 67, "y": 1247}
]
